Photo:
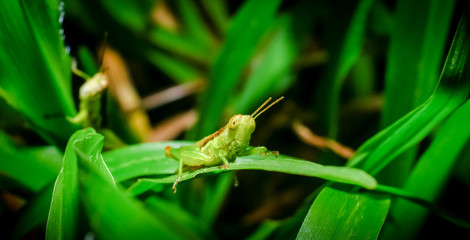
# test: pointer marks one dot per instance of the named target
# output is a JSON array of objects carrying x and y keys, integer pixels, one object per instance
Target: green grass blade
[
  {"x": 87, "y": 61},
  {"x": 194, "y": 25},
  {"x": 247, "y": 27},
  {"x": 381, "y": 149},
  {"x": 344, "y": 49},
  {"x": 214, "y": 196},
  {"x": 406, "y": 195},
  {"x": 217, "y": 11},
  {"x": 453, "y": 90},
  {"x": 430, "y": 174},
  {"x": 178, "y": 44},
  {"x": 113, "y": 214},
  {"x": 32, "y": 167},
  {"x": 421, "y": 27},
  {"x": 132, "y": 14},
  {"x": 273, "y": 73},
  {"x": 63, "y": 214},
  {"x": 178, "y": 217},
  {"x": 35, "y": 77},
  {"x": 34, "y": 212},
  {"x": 180, "y": 71},
  {"x": 264, "y": 231},
  {"x": 342, "y": 215}
]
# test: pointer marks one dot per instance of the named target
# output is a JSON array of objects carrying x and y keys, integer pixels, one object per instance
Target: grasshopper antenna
[
  {"x": 103, "y": 47},
  {"x": 262, "y": 105},
  {"x": 266, "y": 108}
]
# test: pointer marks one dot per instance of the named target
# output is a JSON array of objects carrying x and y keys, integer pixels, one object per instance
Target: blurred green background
[{"x": 388, "y": 78}]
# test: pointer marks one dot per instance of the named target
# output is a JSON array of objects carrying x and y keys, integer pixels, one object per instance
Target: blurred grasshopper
[
  {"x": 89, "y": 114},
  {"x": 223, "y": 146}
]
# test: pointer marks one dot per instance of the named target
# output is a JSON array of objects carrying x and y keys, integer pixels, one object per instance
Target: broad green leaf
[
  {"x": 293, "y": 224},
  {"x": 344, "y": 47},
  {"x": 63, "y": 214},
  {"x": 247, "y": 27},
  {"x": 34, "y": 212},
  {"x": 430, "y": 175},
  {"x": 35, "y": 75},
  {"x": 141, "y": 160},
  {"x": 282, "y": 163},
  {"x": 336, "y": 214},
  {"x": 33, "y": 167},
  {"x": 273, "y": 72},
  {"x": 421, "y": 27},
  {"x": 113, "y": 214}
]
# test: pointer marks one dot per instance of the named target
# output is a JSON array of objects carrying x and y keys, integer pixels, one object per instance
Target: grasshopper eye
[{"x": 234, "y": 122}]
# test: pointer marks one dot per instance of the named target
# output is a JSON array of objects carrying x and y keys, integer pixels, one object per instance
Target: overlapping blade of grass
[
  {"x": 349, "y": 218},
  {"x": 113, "y": 214},
  {"x": 453, "y": 90},
  {"x": 273, "y": 72},
  {"x": 381, "y": 149},
  {"x": 249, "y": 24},
  {"x": 430, "y": 174},
  {"x": 344, "y": 48},
  {"x": 89, "y": 149},
  {"x": 35, "y": 75},
  {"x": 63, "y": 213},
  {"x": 32, "y": 167},
  {"x": 421, "y": 28},
  {"x": 415, "y": 54}
]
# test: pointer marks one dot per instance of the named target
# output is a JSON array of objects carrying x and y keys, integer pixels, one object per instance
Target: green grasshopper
[
  {"x": 90, "y": 99},
  {"x": 223, "y": 146}
]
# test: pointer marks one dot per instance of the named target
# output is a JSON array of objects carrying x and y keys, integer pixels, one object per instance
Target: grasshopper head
[{"x": 241, "y": 127}]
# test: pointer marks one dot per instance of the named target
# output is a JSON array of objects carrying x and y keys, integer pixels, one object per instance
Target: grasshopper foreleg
[
  {"x": 261, "y": 151},
  {"x": 225, "y": 165}
]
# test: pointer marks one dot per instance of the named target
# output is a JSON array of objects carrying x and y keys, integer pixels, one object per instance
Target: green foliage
[
  {"x": 362, "y": 73},
  {"x": 35, "y": 77}
]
